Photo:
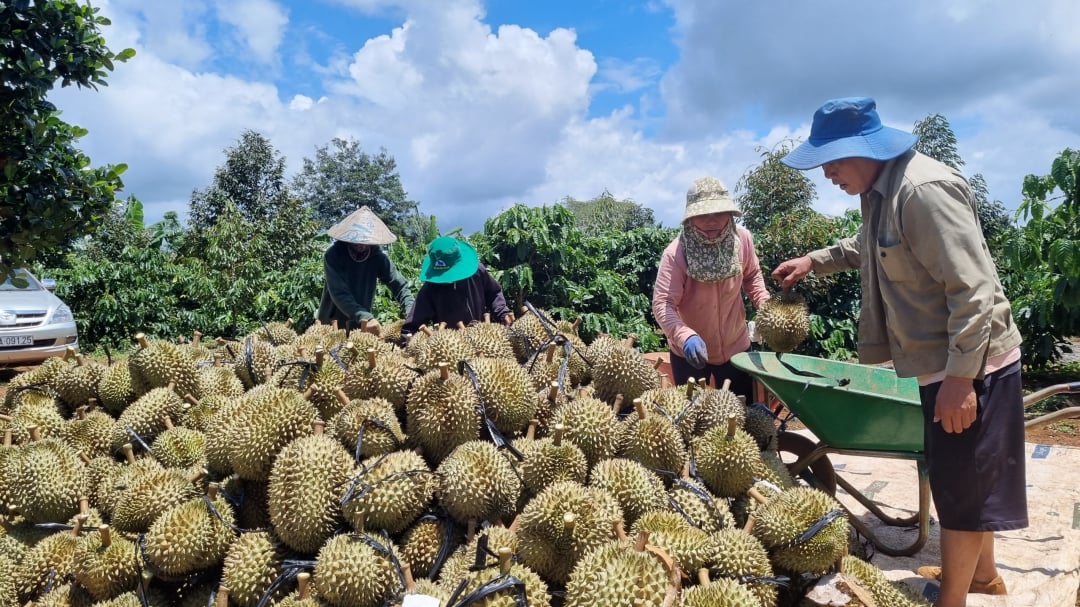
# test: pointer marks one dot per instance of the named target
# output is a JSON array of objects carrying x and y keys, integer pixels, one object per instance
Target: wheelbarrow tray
[{"x": 845, "y": 405}]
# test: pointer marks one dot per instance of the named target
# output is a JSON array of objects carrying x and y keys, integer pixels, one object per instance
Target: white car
[{"x": 34, "y": 323}]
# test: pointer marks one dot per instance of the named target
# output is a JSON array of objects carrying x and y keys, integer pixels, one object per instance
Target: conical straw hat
[{"x": 362, "y": 227}]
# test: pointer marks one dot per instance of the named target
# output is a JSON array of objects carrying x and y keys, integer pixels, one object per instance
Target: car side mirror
[{"x": 49, "y": 283}]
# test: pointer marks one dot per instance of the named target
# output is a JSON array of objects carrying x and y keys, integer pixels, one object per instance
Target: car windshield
[{"x": 22, "y": 276}]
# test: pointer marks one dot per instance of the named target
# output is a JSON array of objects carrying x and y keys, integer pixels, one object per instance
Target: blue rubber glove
[{"x": 695, "y": 352}]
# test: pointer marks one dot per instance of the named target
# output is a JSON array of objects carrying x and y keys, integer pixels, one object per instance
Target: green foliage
[
  {"x": 772, "y": 189},
  {"x": 50, "y": 195},
  {"x": 996, "y": 223},
  {"x": 342, "y": 179},
  {"x": 604, "y": 214},
  {"x": 1041, "y": 264},
  {"x": 937, "y": 140}
]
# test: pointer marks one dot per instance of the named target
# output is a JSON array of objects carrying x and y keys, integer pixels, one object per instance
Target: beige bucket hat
[
  {"x": 709, "y": 195},
  {"x": 362, "y": 226}
]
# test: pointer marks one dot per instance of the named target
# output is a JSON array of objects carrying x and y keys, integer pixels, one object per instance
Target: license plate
[{"x": 16, "y": 340}]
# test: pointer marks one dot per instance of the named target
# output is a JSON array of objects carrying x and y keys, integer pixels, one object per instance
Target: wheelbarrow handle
[{"x": 1047, "y": 392}]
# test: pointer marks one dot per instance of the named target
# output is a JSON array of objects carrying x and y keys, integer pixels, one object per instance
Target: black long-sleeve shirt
[{"x": 465, "y": 300}]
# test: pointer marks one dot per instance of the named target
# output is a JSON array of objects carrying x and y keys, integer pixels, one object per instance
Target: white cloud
[{"x": 259, "y": 23}]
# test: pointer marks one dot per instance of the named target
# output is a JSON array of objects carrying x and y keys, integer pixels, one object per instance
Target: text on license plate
[{"x": 16, "y": 340}]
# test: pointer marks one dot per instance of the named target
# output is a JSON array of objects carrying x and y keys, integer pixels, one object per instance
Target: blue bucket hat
[{"x": 848, "y": 128}]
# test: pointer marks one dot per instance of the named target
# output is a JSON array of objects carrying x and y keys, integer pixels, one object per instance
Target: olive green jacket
[{"x": 350, "y": 285}]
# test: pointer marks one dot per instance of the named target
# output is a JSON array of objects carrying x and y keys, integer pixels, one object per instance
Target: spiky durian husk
[
  {"x": 180, "y": 447},
  {"x": 305, "y": 488},
  {"x": 535, "y": 589},
  {"x": 507, "y": 392},
  {"x": 740, "y": 555},
  {"x": 197, "y": 416},
  {"x": 548, "y": 461},
  {"x": 252, "y": 563},
  {"x": 527, "y": 335},
  {"x": 391, "y": 332},
  {"x": 146, "y": 416},
  {"x": 251, "y": 499},
  {"x": 263, "y": 424},
  {"x": 699, "y": 507},
  {"x": 253, "y": 358},
  {"x": 156, "y": 363},
  {"x": 623, "y": 370},
  {"x": 373, "y": 420},
  {"x": 424, "y": 540},
  {"x": 618, "y": 574},
  {"x": 7, "y": 581},
  {"x": 38, "y": 380},
  {"x": 469, "y": 555},
  {"x": 783, "y": 321},
  {"x": 720, "y": 593},
  {"x": 773, "y": 470},
  {"x": 478, "y": 483},
  {"x": 652, "y": 439},
  {"x": 561, "y": 524},
  {"x": 91, "y": 434},
  {"x": 386, "y": 375},
  {"x": 389, "y": 492},
  {"x": 356, "y": 571},
  {"x": 637, "y": 489},
  {"x": 691, "y": 547},
  {"x": 149, "y": 492},
  {"x": 115, "y": 389},
  {"x": 189, "y": 537},
  {"x": 591, "y": 425},
  {"x": 51, "y": 558},
  {"x": 46, "y": 481},
  {"x": 442, "y": 414},
  {"x": 362, "y": 341},
  {"x": 106, "y": 570},
  {"x": 220, "y": 381},
  {"x": 40, "y": 411},
  {"x": 726, "y": 462},
  {"x": 884, "y": 591},
  {"x": 276, "y": 333},
  {"x": 76, "y": 384},
  {"x": 715, "y": 408},
  {"x": 761, "y": 424},
  {"x": 780, "y": 523},
  {"x": 489, "y": 340},
  {"x": 110, "y": 482}
]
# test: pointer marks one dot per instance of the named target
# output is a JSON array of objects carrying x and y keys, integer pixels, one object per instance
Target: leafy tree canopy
[
  {"x": 772, "y": 189},
  {"x": 937, "y": 140},
  {"x": 605, "y": 213},
  {"x": 50, "y": 195}
]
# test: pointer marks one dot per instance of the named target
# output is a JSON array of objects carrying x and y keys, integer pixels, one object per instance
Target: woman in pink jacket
[{"x": 697, "y": 298}]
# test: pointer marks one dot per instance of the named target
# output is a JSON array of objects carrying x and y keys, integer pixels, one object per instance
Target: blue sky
[{"x": 487, "y": 104}]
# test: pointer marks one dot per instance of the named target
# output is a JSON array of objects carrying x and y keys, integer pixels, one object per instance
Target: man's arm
[{"x": 337, "y": 284}]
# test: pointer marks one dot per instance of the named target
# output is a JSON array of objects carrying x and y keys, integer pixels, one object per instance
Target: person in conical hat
[
  {"x": 698, "y": 293},
  {"x": 354, "y": 264}
]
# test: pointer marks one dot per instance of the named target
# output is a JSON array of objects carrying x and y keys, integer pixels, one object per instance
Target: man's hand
[
  {"x": 957, "y": 405},
  {"x": 372, "y": 326},
  {"x": 696, "y": 353},
  {"x": 792, "y": 271}
]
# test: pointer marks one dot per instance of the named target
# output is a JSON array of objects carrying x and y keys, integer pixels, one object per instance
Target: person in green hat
[{"x": 457, "y": 287}]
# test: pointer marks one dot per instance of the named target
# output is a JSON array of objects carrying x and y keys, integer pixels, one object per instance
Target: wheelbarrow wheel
[{"x": 819, "y": 473}]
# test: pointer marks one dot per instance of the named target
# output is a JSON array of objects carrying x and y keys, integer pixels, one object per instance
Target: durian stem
[
  {"x": 84, "y": 505},
  {"x": 639, "y": 408},
  {"x": 218, "y": 359},
  {"x": 140, "y": 338},
  {"x": 406, "y": 572},
  {"x": 318, "y": 426},
  {"x": 461, "y": 324},
  {"x": 371, "y": 358},
  {"x": 129, "y": 453},
  {"x": 333, "y": 325},
  {"x": 732, "y": 426},
  {"x": 5, "y": 418},
  {"x": 171, "y": 386},
  {"x": 7, "y": 434},
  {"x": 222, "y": 599},
  {"x": 577, "y": 323},
  {"x": 727, "y": 384},
  {"x": 569, "y": 520},
  {"x": 758, "y": 497},
  {"x": 426, "y": 330},
  {"x": 310, "y": 392},
  {"x": 504, "y": 560},
  {"x": 83, "y": 456},
  {"x": 685, "y": 469},
  {"x": 703, "y": 576},
  {"x": 557, "y": 434},
  {"x": 35, "y": 433},
  {"x": 289, "y": 322},
  {"x": 70, "y": 352},
  {"x": 303, "y": 588},
  {"x": 749, "y": 526},
  {"x": 212, "y": 491},
  {"x": 91, "y": 404},
  {"x": 196, "y": 336},
  {"x": 691, "y": 384},
  {"x": 553, "y": 391},
  {"x": 642, "y": 539},
  {"x": 550, "y": 355},
  {"x": 444, "y": 371},
  {"x": 194, "y": 402},
  {"x": 530, "y": 434},
  {"x": 342, "y": 398},
  {"x": 106, "y": 535},
  {"x": 80, "y": 520},
  {"x": 169, "y": 423},
  {"x": 487, "y": 317},
  {"x": 81, "y": 412},
  {"x": 320, "y": 354},
  {"x": 197, "y": 475},
  {"x": 617, "y": 406},
  {"x": 617, "y": 526}
]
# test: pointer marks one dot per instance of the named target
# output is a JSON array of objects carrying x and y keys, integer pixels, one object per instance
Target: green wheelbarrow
[{"x": 859, "y": 410}]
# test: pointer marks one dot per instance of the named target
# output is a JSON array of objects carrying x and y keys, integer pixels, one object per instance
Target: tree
[
  {"x": 50, "y": 195},
  {"x": 250, "y": 189},
  {"x": 937, "y": 140},
  {"x": 772, "y": 189},
  {"x": 343, "y": 177},
  {"x": 607, "y": 214},
  {"x": 995, "y": 221}
]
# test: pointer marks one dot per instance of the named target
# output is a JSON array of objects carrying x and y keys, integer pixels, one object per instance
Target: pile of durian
[{"x": 482, "y": 465}]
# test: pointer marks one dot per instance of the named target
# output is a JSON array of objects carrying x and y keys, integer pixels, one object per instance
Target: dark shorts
[
  {"x": 977, "y": 476},
  {"x": 741, "y": 382}
]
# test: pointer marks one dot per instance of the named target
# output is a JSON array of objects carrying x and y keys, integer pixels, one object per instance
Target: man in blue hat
[
  {"x": 933, "y": 305},
  {"x": 457, "y": 288}
]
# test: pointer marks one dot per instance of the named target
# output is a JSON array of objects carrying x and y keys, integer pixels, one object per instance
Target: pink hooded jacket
[{"x": 714, "y": 311}]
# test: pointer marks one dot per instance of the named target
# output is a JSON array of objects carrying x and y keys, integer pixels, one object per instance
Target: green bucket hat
[{"x": 449, "y": 260}]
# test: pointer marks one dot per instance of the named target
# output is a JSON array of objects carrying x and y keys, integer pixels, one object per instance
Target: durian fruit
[
  {"x": 637, "y": 489},
  {"x": 623, "y": 370},
  {"x": 106, "y": 564},
  {"x": 180, "y": 447},
  {"x": 478, "y": 483},
  {"x": 148, "y": 492},
  {"x": 506, "y": 390},
  {"x": 624, "y": 573},
  {"x": 477, "y": 552},
  {"x": 489, "y": 340},
  {"x": 318, "y": 334},
  {"x": 110, "y": 479},
  {"x": 261, "y": 425},
  {"x": 726, "y": 459},
  {"x": 218, "y": 427},
  {"x": 446, "y": 345},
  {"x": 547, "y": 401},
  {"x": 252, "y": 563},
  {"x": 719, "y": 593},
  {"x": 17, "y": 535},
  {"x": 715, "y": 408},
  {"x": 422, "y": 587},
  {"x": 783, "y": 321},
  {"x": 691, "y": 547},
  {"x": 158, "y": 363},
  {"x": 528, "y": 333},
  {"x": 63, "y": 594},
  {"x": 37, "y": 381},
  {"x": 591, "y": 425},
  {"x": 884, "y": 591},
  {"x": 428, "y": 538},
  {"x": 783, "y": 521},
  {"x": 761, "y": 424},
  {"x": 773, "y": 470},
  {"x": 389, "y": 492},
  {"x": 651, "y": 439},
  {"x": 90, "y": 432},
  {"x": 678, "y": 403},
  {"x": 251, "y": 501},
  {"x": 740, "y": 555},
  {"x": 549, "y": 460},
  {"x": 7, "y": 581},
  {"x": 694, "y": 502},
  {"x": 320, "y": 384},
  {"x": 391, "y": 332},
  {"x": 198, "y": 413},
  {"x": 46, "y": 480},
  {"x": 256, "y": 361},
  {"x": 145, "y": 418},
  {"x": 191, "y": 536},
  {"x": 38, "y": 411},
  {"x": 481, "y": 586},
  {"x": 561, "y": 524},
  {"x": 355, "y": 570},
  {"x": 219, "y": 380},
  {"x": 306, "y": 481},
  {"x": 369, "y": 422},
  {"x": 442, "y": 412},
  {"x": 51, "y": 558},
  {"x": 78, "y": 383},
  {"x": 551, "y": 362},
  {"x": 359, "y": 343},
  {"x": 385, "y": 375},
  {"x": 115, "y": 389},
  {"x": 277, "y": 333},
  {"x": 304, "y": 596}
]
